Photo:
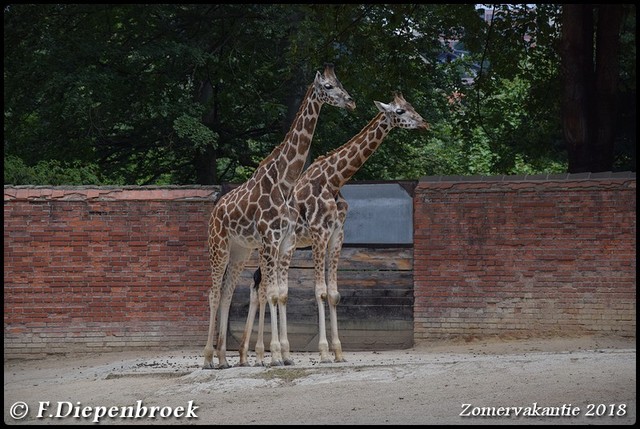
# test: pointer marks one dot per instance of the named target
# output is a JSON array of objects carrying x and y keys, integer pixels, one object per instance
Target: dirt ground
[{"x": 558, "y": 381}]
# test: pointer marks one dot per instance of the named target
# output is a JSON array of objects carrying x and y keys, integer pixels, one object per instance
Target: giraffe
[
  {"x": 255, "y": 216},
  {"x": 322, "y": 211}
]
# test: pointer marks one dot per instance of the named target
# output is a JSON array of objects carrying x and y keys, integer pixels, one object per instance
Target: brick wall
[
  {"x": 525, "y": 256},
  {"x": 95, "y": 269},
  {"x": 89, "y": 269}
]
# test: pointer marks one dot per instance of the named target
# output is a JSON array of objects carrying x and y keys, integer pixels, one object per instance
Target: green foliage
[
  {"x": 192, "y": 129},
  {"x": 50, "y": 172},
  {"x": 185, "y": 93}
]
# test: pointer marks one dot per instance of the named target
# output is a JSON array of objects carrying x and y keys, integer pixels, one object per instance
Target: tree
[
  {"x": 185, "y": 93},
  {"x": 590, "y": 81},
  {"x": 150, "y": 93}
]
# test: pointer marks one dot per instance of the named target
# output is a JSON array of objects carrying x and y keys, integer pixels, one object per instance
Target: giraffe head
[
  {"x": 329, "y": 89},
  {"x": 401, "y": 114}
]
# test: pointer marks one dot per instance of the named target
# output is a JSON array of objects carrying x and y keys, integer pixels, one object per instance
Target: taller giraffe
[
  {"x": 322, "y": 213},
  {"x": 255, "y": 216}
]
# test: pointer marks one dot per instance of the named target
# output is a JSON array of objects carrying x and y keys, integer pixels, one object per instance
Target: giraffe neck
[
  {"x": 342, "y": 163},
  {"x": 289, "y": 157}
]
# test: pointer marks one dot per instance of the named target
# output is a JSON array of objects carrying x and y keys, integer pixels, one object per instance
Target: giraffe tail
[{"x": 257, "y": 278}]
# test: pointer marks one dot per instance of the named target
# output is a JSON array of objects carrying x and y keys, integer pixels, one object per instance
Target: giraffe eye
[
  {"x": 400, "y": 111},
  {"x": 328, "y": 86}
]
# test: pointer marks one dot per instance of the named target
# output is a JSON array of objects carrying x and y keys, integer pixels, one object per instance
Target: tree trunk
[
  {"x": 577, "y": 66},
  {"x": 607, "y": 73},
  {"x": 590, "y": 84},
  {"x": 206, "y": 168},
  {"x": 206, "y": 162}
]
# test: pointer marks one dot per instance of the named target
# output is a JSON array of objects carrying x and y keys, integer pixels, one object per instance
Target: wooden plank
[
  {"x": 354, "y": 258},
  {"x": 358, "y": 289},
  {"x": 376, "y": 305},
  {"x": 304, "y": 277},
  {"x": 354, "y": 337},
  {"x": 305, "y": 310}
]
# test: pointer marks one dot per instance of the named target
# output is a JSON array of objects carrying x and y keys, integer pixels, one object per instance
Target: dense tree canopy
[{"x": 185, "y": 94}]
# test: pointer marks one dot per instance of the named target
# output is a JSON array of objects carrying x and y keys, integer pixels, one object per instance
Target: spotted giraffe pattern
[
  {"x": 322, "y": 213},
  {"x": 255, "y": 216}
]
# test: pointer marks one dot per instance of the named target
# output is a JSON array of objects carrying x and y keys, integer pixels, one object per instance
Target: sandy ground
[{"x": 575, "y": 381}]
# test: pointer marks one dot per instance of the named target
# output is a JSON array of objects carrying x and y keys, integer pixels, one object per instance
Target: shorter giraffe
[{"x": 321, "y": 216}]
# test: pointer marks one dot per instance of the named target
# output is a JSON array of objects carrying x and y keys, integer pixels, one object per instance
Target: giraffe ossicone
[
  {"x": 322, "y": 213},
  {"x": 255, "y": 215}
]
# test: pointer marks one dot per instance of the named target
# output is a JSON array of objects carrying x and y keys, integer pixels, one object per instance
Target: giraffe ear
[{"x": 382, "y": 107}]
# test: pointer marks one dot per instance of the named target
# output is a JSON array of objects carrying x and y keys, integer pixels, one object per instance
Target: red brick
[{"x": 496, "y": 246}]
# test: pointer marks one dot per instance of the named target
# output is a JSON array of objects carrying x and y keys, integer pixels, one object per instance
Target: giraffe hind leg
[
  {"x": 209, "y": 349},
  {"x": 218, "y": 244},
  {"x": 214, "y": 302},
  {"x": 237, "y": 261},
  {"x": 248, "y": 328}
]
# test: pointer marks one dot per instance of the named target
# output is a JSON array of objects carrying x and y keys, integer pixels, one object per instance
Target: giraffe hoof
[
  {"x": 209, "y": 366},
  {"x": 223, "y": 366},
  {"x": 261, "y": 363},
  {"x": 243, "y": 364},
  {"x": 326, "y": 360},
  {"x": 289, "y": 362},
  {"x": 340, "y": 360},
  {"x": 277, "y": 363}
]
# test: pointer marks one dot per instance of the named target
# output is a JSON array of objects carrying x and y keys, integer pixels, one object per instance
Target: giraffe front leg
[
  {"x": 276, "y": 351},
  {"x": 334, "y": 299},
  {"x": 284, "y": 341},
  {"x": 269, "y": 288},
  {"x": 288, "y": 248},
  {"x": 323, "y": 344},
  {"x": 319, "y": 247},
  {"x": 335, "y": 247},
  {"x": 260, "y": 340}
]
